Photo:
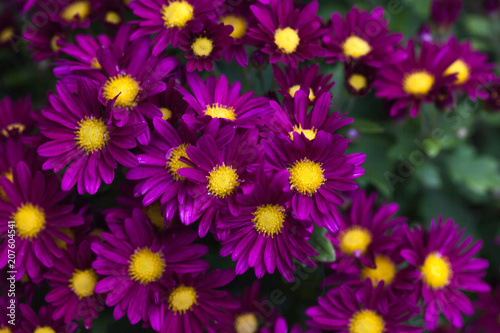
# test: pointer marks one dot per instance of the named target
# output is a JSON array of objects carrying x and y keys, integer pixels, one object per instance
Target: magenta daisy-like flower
[
  {"x": 134, "y": 266},
  {"x": 15, "y": 117},
  {"x": 265, "y": 235},
  {"x": 444, "y": 265},
  {"x": 81, "y": 138},
  {"x": 362, "y": 37},
  {"x": 369, "y": 308},
  {"x": 170, "y": 102},
  {"x": 168, "y": 18},
  {"x": 417, "y": 79},
  {"x": 203, "y": 41},
  {"x": 42, "y": 322},
  {"x": 489, "y": 304},
  {"x": 444, "y": 13},
  {"x": 280, "y": 326},
  {"x": 72, "y": 13},
  {"x": 72, "y": 280},
  {"x": 9, "y": 30},
  {"x": 33, "y": 206},
  {"x": 44, "y": 41},
  {"x": 288, "y": 34},
  {"x": 359, "y": 78}
]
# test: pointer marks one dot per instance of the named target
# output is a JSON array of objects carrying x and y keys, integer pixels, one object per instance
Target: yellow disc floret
[
  {"x": 436, "y": 271},
  {"x": 146, "y": 266},
  {"x": 113, "y": 18},
  {"x": 356, "y": 47},
  {"x": 222, "y": 181},
  {"x": 6, "y": 34},
  {"x": 166, "y": 114},
  {"x": 123, "y": 86},
  {"x": 83, "y": 282},
  {"x": 14, "y": 127},
  {"x": 366, "y": 321},
  {"x": 306, "y": 176},
  {"x": 76, "y": 11},
  {"x": 384, "y": 270},
  {"x": 54, "y": 46},
  {"x": 287, "y": 40},
  {"x": 308, "y": 133},
  {"x": 68, "y": 232},
  {"x": 155, "y": 215},
  {"x": 246, "y": 323},
  {"x": 176, "y": 14},
  {"x": 217, "y": 110},
  {"x": 418, "y": 83},
  {"x": 95, "y": 63},
  {"x": 238, "y": 23},
  {"x": 295, "y": 88},
  {"x": 182, "y": 299},
  {"x": 358, "y": 82},
  {"x": 9, "y": 176},
  {"x": 462, "y": 70},
  {"x": 44, "y": 329},
  {"x": 4, "y": 329},
  {"x": 30, "y": 220},
  {"x": 355, "y": 239},
  {"x": 269, "y": 219},
  {"x": 173, "y": 163},
  {"x": 202, "y": 46},
  {"x": 92, "y": 134}
]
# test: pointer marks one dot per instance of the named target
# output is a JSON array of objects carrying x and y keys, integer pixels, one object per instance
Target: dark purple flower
[
  {"x": 15, "y": 117},
  {"x": 72, "y": 13},
  {"x": 444, "y": 13},
  {"x": 493, "y": 101},
  {"x": 42, "y": 322},
  {"x": 489, "y": 304},
  {"x": 491, "y": 6},
  {"x": 280, "y": 326},
  {"x": 8, "y": 27},
  {"x": 359, "y": 78},
  {"x": 170, "y": 102},
  {"x": 44, "y": 40}
]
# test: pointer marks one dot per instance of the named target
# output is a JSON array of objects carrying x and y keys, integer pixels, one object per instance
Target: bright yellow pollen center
[
  {"x": 222, "y": 181},
  {"x": 166, "y": 114},
  {"x": 246, "y": 323},
  {"x": 4, "y": 329},
  {"x": 462, "y": 70},
  {"x": 177, "y": 14},
  {"x": 154, "y": 213},
  {"x": 436, "y": 271},
  {"x": 385, "y": 270},
  {"x": 15, "y": 127},
  {"x": 53, "y": 43},
  {"x": 113, "y": 18},
  {"x": 6, "y": 34},
  {"x": 366, "y": 321},
  {"x": 173, "y": 163},
  {"x": 62, "y": 244},
  {"x": 9, "y": 176},
  {"x": 217, "y": 110},
  {"x": 418, "y": 83},
  {"x": 83, "y": 282},
  {"x": 306, "y": 176},
  {"x": 30, "y": 220},
  {"x": 95, "y": 63},
  {"x": 92, "y": 134},
  {"x": 238, "y": 23},
  {"x": 44, "y": 329},
  {"x": 296, "y": 88},
  {"x": 286, "y": 39},
  {"x": 80, "y": 8},
  {"x": 269, "y": 219},
  {"x": 182, "y": 299},
  {"x": 122, "y": 84},
  {"x": 358, "y": 82},
  {"x": 202, "y": 46},
  {"x": 356, "y": 47},
  {"x": 355, "y": 239},
  {"x": 146, "y": 266},
  {"x": 308, "y": 133}
]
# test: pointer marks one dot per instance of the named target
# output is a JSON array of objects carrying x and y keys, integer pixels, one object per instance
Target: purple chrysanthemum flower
[
  {"x": 445, "y": 12},
  {"x": 193, "y": 303},
  {"x": 44, "y": 41},
  {"x": 33, "y": 206},
  {"x": 280, "y": 326},
  {"x": 265, "y": 235},
  {"x": 42, "y": 322},
  {"x": 370, "y": 308},
  {"x": 170, "y": 102},
  {"x": 416, "y": 79},
  {"x": 72, "y": 280},
  {"x": 72, "y": 13},
  {"x": 307, "y": 79},
  {"x": 317, "y": 169},
  {"x": 362, "y": 37},
  {"x": 82, "y": 138},
  {"x": 139, "y": 262},
  {"x": 203, "y": 41},
  {"x": 8, "y": 27},
  {"x": 15, "y": 117},
  {"x": 359, "y": 78},
  {"x": 288, "y": 34},
  {"x": 493, "y": 101},
  {"x": 444, "y": 265},
  {"x": 489, "y": 319},
  {"x": 168, "y": 18}
]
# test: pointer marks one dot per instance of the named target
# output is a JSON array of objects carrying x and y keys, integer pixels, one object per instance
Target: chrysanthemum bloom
[
  {"x": 288, "y": 34},
  {"x": 265, "y": 235},
  {"x": 44, "y": 41},
  {"x": 82, "y": 138},
  {"x": 359, "y": 78},
  {"x": 489, "y": 304},
  {"x": 416, "y": 79},
  {"x": 445, "y": 265},
  {"x": 33, "y": 206},
  {"x": 168, "y": 18},
  {"x": 444, "y": 13},
  {"x": 15, "y": 117},
  {"x": 307, "y": 79},
  {"x": 203, "y": 41},
  {"x": 493, "y": 101},
  {"x": 73, "y": 13},
  {"x": 317, "y": 169},
  {"x": 134, "y": 266},
  {"x": 195, "y": 304},
  {"x": 8, "y": 27},
  {"x": 216, "y": 100},
  {"x": 171, "y": 102},
  {"x": 369, "y": 309},
  {"x": 362, "y": 37},
  {"x": 31, "y": 322},
  {"x": 280, "y": 326}
]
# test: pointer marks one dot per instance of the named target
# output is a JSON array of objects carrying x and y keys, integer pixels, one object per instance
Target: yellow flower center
[
  {"x": 308, "y": 133},
  {"x": 122, "y": 84},
  {"x": 355, "y": 239},
  {"x": 92, "y": 134},
  {"x": 462, "y": 70},
  {"x": 80, "y": 8},
  {"x": 154, "y": 213},
  {"x": 166, "y": 114},
  {"x": 296, "y": 88},
  {"x": 182, "y": 299},
  {"x": 246, "y": 323},
  {"x": 113, "y": 18},
  {"x": 385, "y": 270},
  {"x": 9, "y": 176},
  {"x": 269, "y": 219},
  {"x": 418, "y": 83},
  {"x": 306, "y": 176},
  {"x": 83, "y": 282},
  {"x": 7, "y": 34},
  {"x": 53, "y": 43},
  {"x": 62, "y": 244},
  {"x": 95, "y": 63},
  {"x": 173, "y": 163},
  {"x": 177, "y": 14},
  {"x": 13, "y": 127},
  {"x": 30, "y": 220},
  {"x": 222, "y": 181},
  {"x": 217, "y": 110},
  {"x": 238, "y": 23},
  {"x": 436, "y": 271},
  {"x": 4, "y": 329},
  {"x": 366, "y": 321},
  {"x": 45, "y": 329},
  {"x": 356, "y": 47},
  {"x": 286, "y": 39},
  {"x": 358, "y": 82},
  {"x": 202, "y": 46},
  {"x": 146, "y": 266}
]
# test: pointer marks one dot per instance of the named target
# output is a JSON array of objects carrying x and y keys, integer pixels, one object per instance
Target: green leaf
[
  {"x": 429, "y": 176},
  {"x": 367, "y": 126},
  {"x": 321, "y": 244}
]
